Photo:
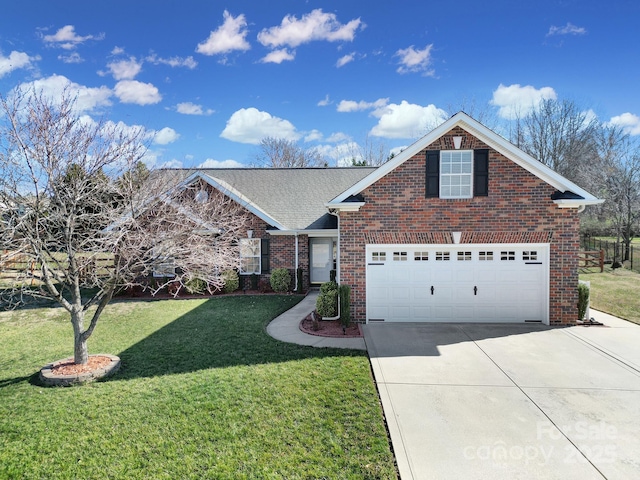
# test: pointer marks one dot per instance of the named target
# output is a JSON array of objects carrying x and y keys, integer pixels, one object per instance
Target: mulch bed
[
  {"x": 67, "y": 367},
  {"x": 329, "y": 328}
]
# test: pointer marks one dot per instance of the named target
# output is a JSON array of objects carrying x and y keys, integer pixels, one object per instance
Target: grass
[
  {"x": 616, "y": 292},
  {"x": 204, "y": 392}
]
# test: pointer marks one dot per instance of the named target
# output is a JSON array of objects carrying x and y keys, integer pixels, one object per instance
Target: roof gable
[
  {"x": 494, "y": 141},
  {"x": 289, "y": 199}
]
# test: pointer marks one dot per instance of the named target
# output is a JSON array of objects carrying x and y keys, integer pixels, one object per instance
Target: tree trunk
[{"x": 80, "y": 350}]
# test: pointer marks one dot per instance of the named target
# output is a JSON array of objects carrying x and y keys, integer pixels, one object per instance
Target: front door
[{"x": 321, "y": 252}]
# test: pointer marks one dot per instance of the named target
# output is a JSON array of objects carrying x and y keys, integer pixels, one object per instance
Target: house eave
[
  {"x": 345, "y": 206},
  {"x": 570, "y": 203},
  {"x": 330, "y": 232}
]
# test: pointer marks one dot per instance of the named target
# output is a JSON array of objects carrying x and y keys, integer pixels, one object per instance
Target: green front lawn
[
  {"x": 204, "y": 392},
  {"x": 616, "y": 292}
]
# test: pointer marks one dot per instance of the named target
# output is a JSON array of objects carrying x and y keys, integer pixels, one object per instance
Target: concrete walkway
[{"x": 286, "y": 328}]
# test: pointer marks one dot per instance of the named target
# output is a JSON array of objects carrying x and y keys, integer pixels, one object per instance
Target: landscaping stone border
[{"x": 51, "y": 379}]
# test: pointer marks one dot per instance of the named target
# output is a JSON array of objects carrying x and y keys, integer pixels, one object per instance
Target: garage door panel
[
  {"x": 399, "y": 293},
  {"x": 511, "y": 283}
]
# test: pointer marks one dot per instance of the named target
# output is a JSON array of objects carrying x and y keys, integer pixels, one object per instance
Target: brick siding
[{"x": 517, "y": 209}]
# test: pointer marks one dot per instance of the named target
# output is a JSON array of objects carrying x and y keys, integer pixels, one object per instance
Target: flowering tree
[{"x": 80, "y": 210}]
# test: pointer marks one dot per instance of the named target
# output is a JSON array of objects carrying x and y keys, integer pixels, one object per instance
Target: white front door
[
  {"x": 321, "y": 261},
  {"x": 458, "y": 283}
]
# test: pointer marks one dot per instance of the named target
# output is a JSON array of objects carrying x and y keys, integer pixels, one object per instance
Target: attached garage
[{"x": 506, "y": 283}]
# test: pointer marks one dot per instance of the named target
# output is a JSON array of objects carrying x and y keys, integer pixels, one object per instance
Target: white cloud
[
  {"x": 125, "y": 69},
  {"x": 316, "y": 25},
  {"x": 342, "y": 61},
  {"x": 171, "y": 164},
  {"x": 325, "y": 101},
  {"x": 133, "y": 91},
  {"x": 187, "y": 62},
  {"x": 166, "y": 136},
  {"x": 211, "y": 163},
  {"x": 279, "y": 56},
  {"x": 68, "y": 39},
  {"x": 117, "y": 51},
  {"x": 568, "y": 29},
  {"x": 87, "y": 99},
  {"x": 412, "y": 60},
  {"x": 515, "y": 100},
  {"x": 188, "y": 108},
  {"x": 342, "y": 154},
  {"x": 313, "y": 136},
  {"x": 14, "y": 61},
  {"x": 407, "y": 120},
  {"x": 629, "y": 122},
  {"x": 250, "y": 125},
  {"x": 228, "y": 37},
  {"x": 72, "y": 58},
  {"x": 353, "y": 106},
  {"x": 337, "y": 137}
]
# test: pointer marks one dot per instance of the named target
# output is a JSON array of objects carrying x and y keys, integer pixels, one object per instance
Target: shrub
[
  {"x": 583, "y": 299},
  {"x": 345, "y": 305},
  {"x": 327, "y": 302},
  {"x": 196, "y": 286},
  {"x": 280, "y": 280},
  {"x": 231, "y": 281}
]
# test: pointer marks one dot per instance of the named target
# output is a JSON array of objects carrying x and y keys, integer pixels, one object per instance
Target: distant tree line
[{"x": 567, "y": 137}]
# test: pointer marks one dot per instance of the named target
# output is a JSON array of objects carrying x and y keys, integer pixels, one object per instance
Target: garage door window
[
  {"x": 528, "y": 256},
  {"x": 399, "y": 256},
  {"x": 485, "y": 256},
  {"x": 464, "y": 256},
  {"x": 507, "y": 256},
  {"x": 379, "y": 256},
  {"x": 443, "y": 256},
  {"x": 421, "y": 256}
]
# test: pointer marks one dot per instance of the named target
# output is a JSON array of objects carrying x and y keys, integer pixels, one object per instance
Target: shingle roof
[{"x": 294, "y": 197}]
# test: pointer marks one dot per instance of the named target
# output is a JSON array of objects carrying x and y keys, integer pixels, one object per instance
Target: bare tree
[
  {"x": 372, "y": 152},
  {"x": 281, "y": 153},
  {"x": 72, "y": 195},
  {"x": 562, "y": 136},
  {"x": 622, "y": 189}
]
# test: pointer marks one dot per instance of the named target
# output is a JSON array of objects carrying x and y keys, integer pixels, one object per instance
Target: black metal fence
[{"x": 615, "y": 253}]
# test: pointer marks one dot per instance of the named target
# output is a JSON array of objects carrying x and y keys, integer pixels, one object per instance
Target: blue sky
[{"x": 209, "y": 79}]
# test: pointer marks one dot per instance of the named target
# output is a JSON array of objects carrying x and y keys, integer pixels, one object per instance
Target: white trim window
[
  {"x": 163, "y": 265},
  {"x": 456, "y": 173},
  {"x": 250, "y": 254}
]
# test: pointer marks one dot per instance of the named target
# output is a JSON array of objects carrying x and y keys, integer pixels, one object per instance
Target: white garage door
[{"x": 458, "y": 283}]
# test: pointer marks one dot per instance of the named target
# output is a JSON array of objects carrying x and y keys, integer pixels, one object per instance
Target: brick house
[{"x": 462, "y": 226}]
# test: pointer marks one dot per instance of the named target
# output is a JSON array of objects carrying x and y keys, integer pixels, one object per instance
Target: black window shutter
[
  {"x": 481, "y": 172},
  {"x": 264, "y": 255},
  {"x": 433, "y": 174}
]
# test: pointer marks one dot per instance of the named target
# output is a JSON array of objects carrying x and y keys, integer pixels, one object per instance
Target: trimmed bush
[
  {"x": 280, "y": 280},
  {"x": 345, "y": 305},
  {"x": 231, "y": 281},
  {"x": 583, "y": 300},
  {"x": 196, "y": 286},
  {"x": 327, "y": 301}
]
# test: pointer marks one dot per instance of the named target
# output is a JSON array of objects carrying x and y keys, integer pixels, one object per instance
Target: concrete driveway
[{"x": 510, "y": 401}]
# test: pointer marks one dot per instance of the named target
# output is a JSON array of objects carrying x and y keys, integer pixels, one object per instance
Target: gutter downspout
[
  {"x": 296, "y": 270},
  {"x": 333, "y": 212}
]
